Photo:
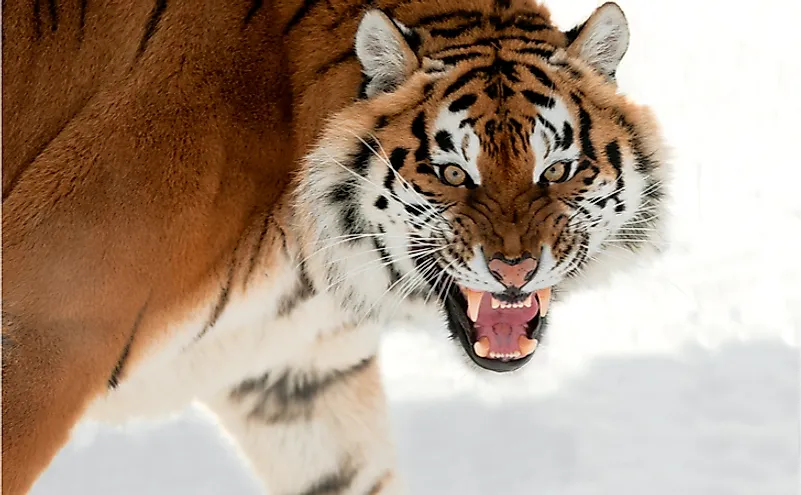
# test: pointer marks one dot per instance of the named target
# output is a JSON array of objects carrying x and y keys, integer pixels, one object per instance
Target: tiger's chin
[{"x": 498, "y": 333}]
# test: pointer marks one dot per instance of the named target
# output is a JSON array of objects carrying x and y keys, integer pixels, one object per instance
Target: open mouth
[{"x": 498, "y": 333}]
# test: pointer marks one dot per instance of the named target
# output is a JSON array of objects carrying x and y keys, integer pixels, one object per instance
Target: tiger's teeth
[
  {"x": 496, "y": 303},
  {"x": 526, "y": 345},
  {"x": 481, "y": 347},
  {"x": 527, "y": 302},
  {"x": 473, "y": 303},
  {"x": 544, "y": 295}
]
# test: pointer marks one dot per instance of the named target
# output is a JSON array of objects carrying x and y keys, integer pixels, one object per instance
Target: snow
[{"x": 681, "y": 377}]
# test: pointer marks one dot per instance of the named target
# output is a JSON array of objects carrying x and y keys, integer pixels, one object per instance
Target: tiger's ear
[
  {"x": 602, "y": 40},
  {"x": 382, "y": 48}
]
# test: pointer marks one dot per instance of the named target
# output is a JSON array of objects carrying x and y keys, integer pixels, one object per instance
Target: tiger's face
[{"x": 480, "y": 172}]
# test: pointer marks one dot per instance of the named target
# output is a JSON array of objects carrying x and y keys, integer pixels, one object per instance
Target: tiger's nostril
[{"x": 512, "y": 272}]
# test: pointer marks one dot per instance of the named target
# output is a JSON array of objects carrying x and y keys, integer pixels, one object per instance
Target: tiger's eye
[
  {"x": 454, "y": 175},
  {"x": 557, "y": 172}
]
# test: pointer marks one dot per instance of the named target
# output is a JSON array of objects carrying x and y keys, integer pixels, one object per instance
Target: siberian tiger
[{"x": 226, "y": 201}]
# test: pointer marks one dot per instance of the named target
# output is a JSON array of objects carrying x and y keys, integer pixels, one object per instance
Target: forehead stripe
[
  {"x": 419, "y": 131},
  {"x": 462, "y": 103},
  {"x": 567, "y": 135},
  {"x": 539, "y": 99},
  {"x": 444, "y": 140},
  {"x": 541, "y": 76},
  {"x": 464, "y": 79},
  {"x": 540, "y": 52}
]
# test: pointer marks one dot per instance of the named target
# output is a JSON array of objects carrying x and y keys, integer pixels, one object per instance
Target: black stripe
[
  {"x": 444, "y": 140},
  {"x": 585, "y": 126},
  {"x": 464, "y": 79},
  {"x": 541, "y": 76},
  {"x": 517, "y": 130},
  {"x": 468, "y": 121},
  {"x": 462, "y": 103},
  {"x": 521, "y": 38},
  {"x": 352, "y": 222},
  {"x": 396, "y": 160},
  {"x": 467, "y": 15},
  {"x": 250, "y": 386},
  {"x": 291, "y": 396},
  {"x": 542, "y": 120},
  {"x": 37, "y": 19},
  {"x": 487, "y": 42},
  {"x": 299, "y": 15},
  {"x": 506, "y": 68},
  {"x": 394, "y": 274},
  {"x": 419, "y": 131},
  {"x": 254, "y": 257},
  {"x": 343, "y": 192},
  {"x": 460, "y": 57},
  {"x": 113, "y": 380},
  {"x": 82, "y": 20},
  {"x": 360, "y": 162},
  {"x": 152, "y": 24},
  {"x": 567, "y": 135},
  {"x": 422, "y": 192},
  {"x": 613, "y": 154},
  {"x": 538, "y": 99},
  {"x": 222, "y": 300},
  {"x": 530, "y": 26},
  {"x": 255, "y": 5},
  {"x": 539, "y": 52},
  {"x": 332, "y": 484},
  {"x": 53, "y": 15},
  {"x": 456, "y": 31},
  {"x": 303, "y": 290},
  {"x": 415, "y": 210}
]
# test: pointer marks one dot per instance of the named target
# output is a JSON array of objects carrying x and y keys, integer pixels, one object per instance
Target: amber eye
[
  {"x": 454, "y": 175},
  {"x": 558, "y": 172}
]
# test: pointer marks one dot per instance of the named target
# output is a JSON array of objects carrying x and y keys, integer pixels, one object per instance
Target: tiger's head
[{"x": 489, "y": 160}]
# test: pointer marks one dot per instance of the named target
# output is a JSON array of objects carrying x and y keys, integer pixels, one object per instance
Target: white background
[{"x": 680, "y": 378}]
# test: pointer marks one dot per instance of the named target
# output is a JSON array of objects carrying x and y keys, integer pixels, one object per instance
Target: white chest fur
[{"x": 250, "y": 338}]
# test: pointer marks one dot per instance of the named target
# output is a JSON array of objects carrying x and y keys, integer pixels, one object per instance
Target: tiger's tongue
[{"x": 503, "y": 327}]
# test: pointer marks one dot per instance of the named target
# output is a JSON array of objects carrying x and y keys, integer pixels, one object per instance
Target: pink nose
[{"x": 512, "y": 273}]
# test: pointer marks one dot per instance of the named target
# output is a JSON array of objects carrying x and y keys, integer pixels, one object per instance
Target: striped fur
[{"x": 200, "y": 203}]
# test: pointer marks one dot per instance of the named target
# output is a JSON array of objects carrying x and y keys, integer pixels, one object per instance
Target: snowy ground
[{"x": 681, "y": 378}]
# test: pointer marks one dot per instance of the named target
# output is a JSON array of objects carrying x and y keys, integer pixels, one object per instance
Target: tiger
[{"x": 227, "y": 203}]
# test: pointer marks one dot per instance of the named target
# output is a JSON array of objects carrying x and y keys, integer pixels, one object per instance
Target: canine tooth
[
  {"x": 495, "y": 303},
  {"x": 481, "y": 347},
  {"x": 473, "y": 303},
  {"x": 544, "y": 295},
  {"x": 515, "y": 354},
  {"x": 526, "y": 345},
  {"x": 527, "y": 302}
]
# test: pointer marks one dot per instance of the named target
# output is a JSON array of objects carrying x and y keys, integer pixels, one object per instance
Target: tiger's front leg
[{"x": 320, "y": 427}]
